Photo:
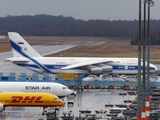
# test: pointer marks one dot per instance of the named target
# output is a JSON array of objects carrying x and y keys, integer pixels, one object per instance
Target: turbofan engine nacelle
[
  {"x": 96, "y": 70},
  {"x": 1, "y": 107},
  {"x": 107, "y": 68}
]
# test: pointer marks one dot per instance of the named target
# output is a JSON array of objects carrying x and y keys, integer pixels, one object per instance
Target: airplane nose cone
[
  {"x": 153, "y": 68},
  {"x": 59, "y": 103},
  {"x": 62, "y": 102},
  {"x": 68, "y": 92},
  {"x": 156, "y": 69}
]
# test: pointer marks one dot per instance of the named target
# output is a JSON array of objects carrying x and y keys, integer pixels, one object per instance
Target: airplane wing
[{"x": 87, "y": 63}]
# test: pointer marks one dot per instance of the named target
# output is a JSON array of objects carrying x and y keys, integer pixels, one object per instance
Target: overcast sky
[{"x": 78, "y": 9}]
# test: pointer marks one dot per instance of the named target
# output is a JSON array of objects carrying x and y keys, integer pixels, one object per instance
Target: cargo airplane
[
  {"x": 25, "y": 56},
  {"x": 28, "y": 99},
  {"x": 47, "y": 87}
]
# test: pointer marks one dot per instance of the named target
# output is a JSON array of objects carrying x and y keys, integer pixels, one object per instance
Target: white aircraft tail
[{"x": 20, "y": 47}]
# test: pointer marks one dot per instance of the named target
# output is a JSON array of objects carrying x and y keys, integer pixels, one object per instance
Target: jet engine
[
  {"x": 100, "y": 69},
  {"x": 1, "y": 107},
  {"x": 96, "y": 70},
  {"x": 107, "y": 68}
]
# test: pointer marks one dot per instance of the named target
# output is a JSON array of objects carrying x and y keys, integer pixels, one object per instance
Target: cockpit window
[
  {"x": 64, "y": 87},
  {"x": 56, "y": 98}
]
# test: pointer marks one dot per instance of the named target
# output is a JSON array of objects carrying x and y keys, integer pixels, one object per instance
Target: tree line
[{"x": 47, "y": 25}]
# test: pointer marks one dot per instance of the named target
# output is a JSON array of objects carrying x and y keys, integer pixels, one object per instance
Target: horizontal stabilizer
[{"x": 15, "y": 59}]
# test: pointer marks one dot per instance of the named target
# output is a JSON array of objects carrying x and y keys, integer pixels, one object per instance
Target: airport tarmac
[
  {"x": 89, "y": 99},
  {"x": 94, "y": 99}
]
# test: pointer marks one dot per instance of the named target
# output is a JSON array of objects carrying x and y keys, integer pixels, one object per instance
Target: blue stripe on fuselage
[
  {"x": 129, "y": 68},
  {"x": 19, "y": 50},
  {"x": 60, "y": 66}
]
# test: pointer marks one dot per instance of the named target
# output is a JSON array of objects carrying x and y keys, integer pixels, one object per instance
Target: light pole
[
  {"x": 144, "y": 64},
  {"x": 150, "y": 3},
  {"x": 139, "y": 65},
  {"x": 141, "y": 86}
]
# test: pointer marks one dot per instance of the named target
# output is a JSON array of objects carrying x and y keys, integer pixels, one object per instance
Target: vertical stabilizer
[{"x": 20, "y": 47}]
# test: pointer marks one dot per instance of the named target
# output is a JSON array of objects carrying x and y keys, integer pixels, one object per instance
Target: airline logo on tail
[
  {"x": 26, "y": 99},
  {"x": 23, "y": 49},
  {"x": 20, "y": 43}
]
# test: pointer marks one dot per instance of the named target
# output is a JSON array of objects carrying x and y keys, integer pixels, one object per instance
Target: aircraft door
[{"x": 54, "y": 90}]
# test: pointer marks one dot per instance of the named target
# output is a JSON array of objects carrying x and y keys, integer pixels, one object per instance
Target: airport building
[{"x": 74, "y": 79}]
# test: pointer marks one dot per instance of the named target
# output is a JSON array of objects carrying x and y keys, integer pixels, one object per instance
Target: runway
[{"x": 89, "y": 99}]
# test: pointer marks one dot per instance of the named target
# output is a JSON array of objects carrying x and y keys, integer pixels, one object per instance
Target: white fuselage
[
  {"x": 54, "y": 65},
  {"x": 48, "y": 87},
  {"x": 24, "y": 55}
]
